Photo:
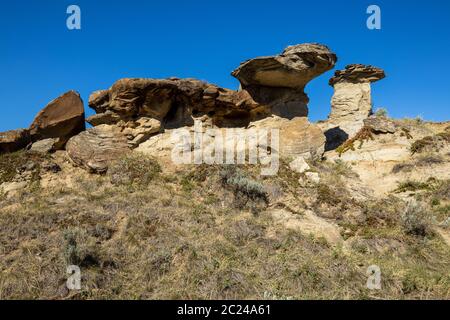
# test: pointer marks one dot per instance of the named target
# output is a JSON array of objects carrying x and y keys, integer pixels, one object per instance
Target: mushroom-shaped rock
[
  {"x": 351, "y": 103},
  {"x": 358, "y": 73},
  {"x": 62, "y": 118},
  {"x": 279, "y": 81}
]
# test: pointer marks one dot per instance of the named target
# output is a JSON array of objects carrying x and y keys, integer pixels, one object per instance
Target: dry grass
[
  {"x": 15, "y": 163},
  {"x": 182, "y": 236}
]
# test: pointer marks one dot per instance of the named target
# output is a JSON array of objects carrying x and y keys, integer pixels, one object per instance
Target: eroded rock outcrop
[
  {"x": 279, "y": 81},
  {"x": 351, "y": 103},
  {"x": 133, "y": 111},
  {"x": 272, "y": 90},
  {"x": 380, "y": 124},
  {"x": 174, "y": 102}
]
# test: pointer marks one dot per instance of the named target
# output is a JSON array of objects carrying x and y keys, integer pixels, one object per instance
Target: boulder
[
  {"x": 44, "y": 146},
  {"x": 14, "y": 140},
  {"x": 279, "y": 81},
  {"x": 299, "y": 165},
  {"x": 62, "y": 118},
  {"x": 314, "y": 177},
  {"x": 95, "y": 148},
  {"x": 380, "y": 124}
]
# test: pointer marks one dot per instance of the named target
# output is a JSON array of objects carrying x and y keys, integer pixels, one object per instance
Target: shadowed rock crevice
[{"x": 335, "y": 137}]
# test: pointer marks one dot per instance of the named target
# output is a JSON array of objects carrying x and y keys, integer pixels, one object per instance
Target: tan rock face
[
  {"x": 350, "y": 105},
  {"x": 144, "y": 107},
  {"x": 62, "y": 118},
  {"x": 14, "y": 140},
  {"x": 298, "y": 137},
  {"x": 279, "y": 81},
  {"x": 95, "y": 148}
]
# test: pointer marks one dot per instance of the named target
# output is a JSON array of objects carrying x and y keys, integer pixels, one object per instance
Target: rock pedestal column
[{"x": 351, "y": 103}]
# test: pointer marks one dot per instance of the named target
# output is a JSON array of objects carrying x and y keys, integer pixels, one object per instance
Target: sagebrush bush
[
  {"x": 381, "y": 113},
  {"x": 416, "y": 221},
  {"x": 134, "y": 169},
  {"x": 244, "y": 187}
]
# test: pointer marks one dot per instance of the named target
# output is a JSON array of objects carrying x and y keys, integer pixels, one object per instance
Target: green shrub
[
  {"x": 420, "y": 145},
  {"x": 79, "y": 249},
  {"x": 402, "y": 167},
  {"x": 327, "y": 195}
]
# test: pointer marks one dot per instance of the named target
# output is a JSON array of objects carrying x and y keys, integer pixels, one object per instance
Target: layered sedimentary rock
[
  {"x": 176, "y": 102},
  {"x": 298, "y": 136},
  {"x": 144, "y": 107},
  {"x": 279, "y": 81},
  {"x": 133, "y": 111},
  {"x": 62, "y": 118},
  {"x": 95, "y": 148},
  {"x": 351, "y": 103}
]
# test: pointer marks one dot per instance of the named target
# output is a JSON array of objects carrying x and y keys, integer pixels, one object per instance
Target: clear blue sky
[{"x": 206, "y": 39}]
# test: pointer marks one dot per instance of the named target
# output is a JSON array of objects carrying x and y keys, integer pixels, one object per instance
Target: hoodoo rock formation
[
  {"x": 136, "y": 113},
  {"x": 272, "y": 96},
  {"x": 352, "y": 101},
  {"x": 279, "y": 81}
]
